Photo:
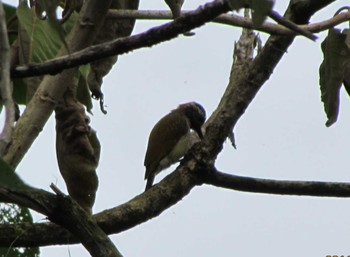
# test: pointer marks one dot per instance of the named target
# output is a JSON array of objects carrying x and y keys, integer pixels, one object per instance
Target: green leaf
[
  {"x": 43, "y": 42},
  {"x": 38, "y": 42},
  {"x": 8, "y": 177},
  {"x": 11, "y": 21},
  {"x": 14, "y": 214},
  {"x": 260, "y": 8},
  {"x": 50, "y": 8},
  {"x": 332, "y": 71},
  {"x": 19, "y": 91}
]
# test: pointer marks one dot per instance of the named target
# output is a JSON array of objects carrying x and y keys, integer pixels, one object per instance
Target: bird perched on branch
[{"x": 170, "y": 138}]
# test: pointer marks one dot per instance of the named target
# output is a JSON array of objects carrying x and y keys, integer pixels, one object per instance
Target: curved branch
[
  {"x": 281, "y": 187},
  {"x": 125, "y": 45},
  {"x": 65, "y": 212},
  {"x": 288, "y": 24},
  {"x": 235, "y": 20},
  {"x": 136, "y": 211},
  {"x": 159, "y": 198},
  {"x": 120, "y": 46}
]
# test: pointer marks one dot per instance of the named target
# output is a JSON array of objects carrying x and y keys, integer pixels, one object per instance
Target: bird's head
[{"x": 196, "y": 115}]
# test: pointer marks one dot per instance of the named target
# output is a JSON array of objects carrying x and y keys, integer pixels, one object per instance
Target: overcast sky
[{"x": 282, "y": 136}]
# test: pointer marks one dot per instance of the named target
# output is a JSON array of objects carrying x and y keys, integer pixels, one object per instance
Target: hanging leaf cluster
[{"x": 334, "y": 71}]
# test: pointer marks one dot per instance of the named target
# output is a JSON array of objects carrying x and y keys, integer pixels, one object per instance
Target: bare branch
[
  {"x": 124, "y": 45},
  {"x": 281, "y": 187},
  {"x": 138, "y": 210},
  {"x": 65, "y": 212},
  {"x": 5, "y": 84},
  {"x": 292, "y": 26},
  {"x": 229, "y": 19},
  {"x": 163, "y": 195},
  {"x": 236, "y": 20}
]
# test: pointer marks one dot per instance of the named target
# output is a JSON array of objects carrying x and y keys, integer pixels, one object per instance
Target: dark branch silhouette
[
  {"x": 159, "y": 198},
  {"x": 120, "y": 46},
  {"x": 279, "y": 187}
]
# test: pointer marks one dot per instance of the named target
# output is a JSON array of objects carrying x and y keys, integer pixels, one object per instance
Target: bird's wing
[{"x": 163, "y": 138}]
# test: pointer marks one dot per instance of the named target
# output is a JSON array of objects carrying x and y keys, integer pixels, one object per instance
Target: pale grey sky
[{"x": 282, "y": 136}]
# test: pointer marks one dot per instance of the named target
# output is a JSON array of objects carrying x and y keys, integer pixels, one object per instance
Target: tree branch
[
  {"x": 246, "y": 80},
  {"x": 163, "y": 195},
  {"x": 235, "y": 20},
  {"x": 292, "y": 26},
  {"x": 5, "y": 84},
  {"x": 271, "y": 186},
  {"x": 62, "y": 210},
  {"x": 138, "y": 210},
  {"x": 119, "y": 46}
]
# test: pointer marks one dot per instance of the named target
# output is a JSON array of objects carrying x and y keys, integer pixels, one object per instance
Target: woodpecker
[{"x": 170, "y": 138}]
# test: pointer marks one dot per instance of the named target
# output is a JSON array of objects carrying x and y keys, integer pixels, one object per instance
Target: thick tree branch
[
  {"x": 246, "y": 80},
  {"x": 138, "y": 210},
  {"x": 72, "y": 217},
  {"x": 64, "y": 211},
  {"x": 165, "y": 194},
  {"x": 5, "y": 84}
]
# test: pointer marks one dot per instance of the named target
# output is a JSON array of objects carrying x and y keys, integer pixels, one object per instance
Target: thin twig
[
  {"x": 5, "y": 84},
  {"x": 56, "y": 190},
  {"x": 280, "y": 20},
  {"x": 235, "y": 20}
]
